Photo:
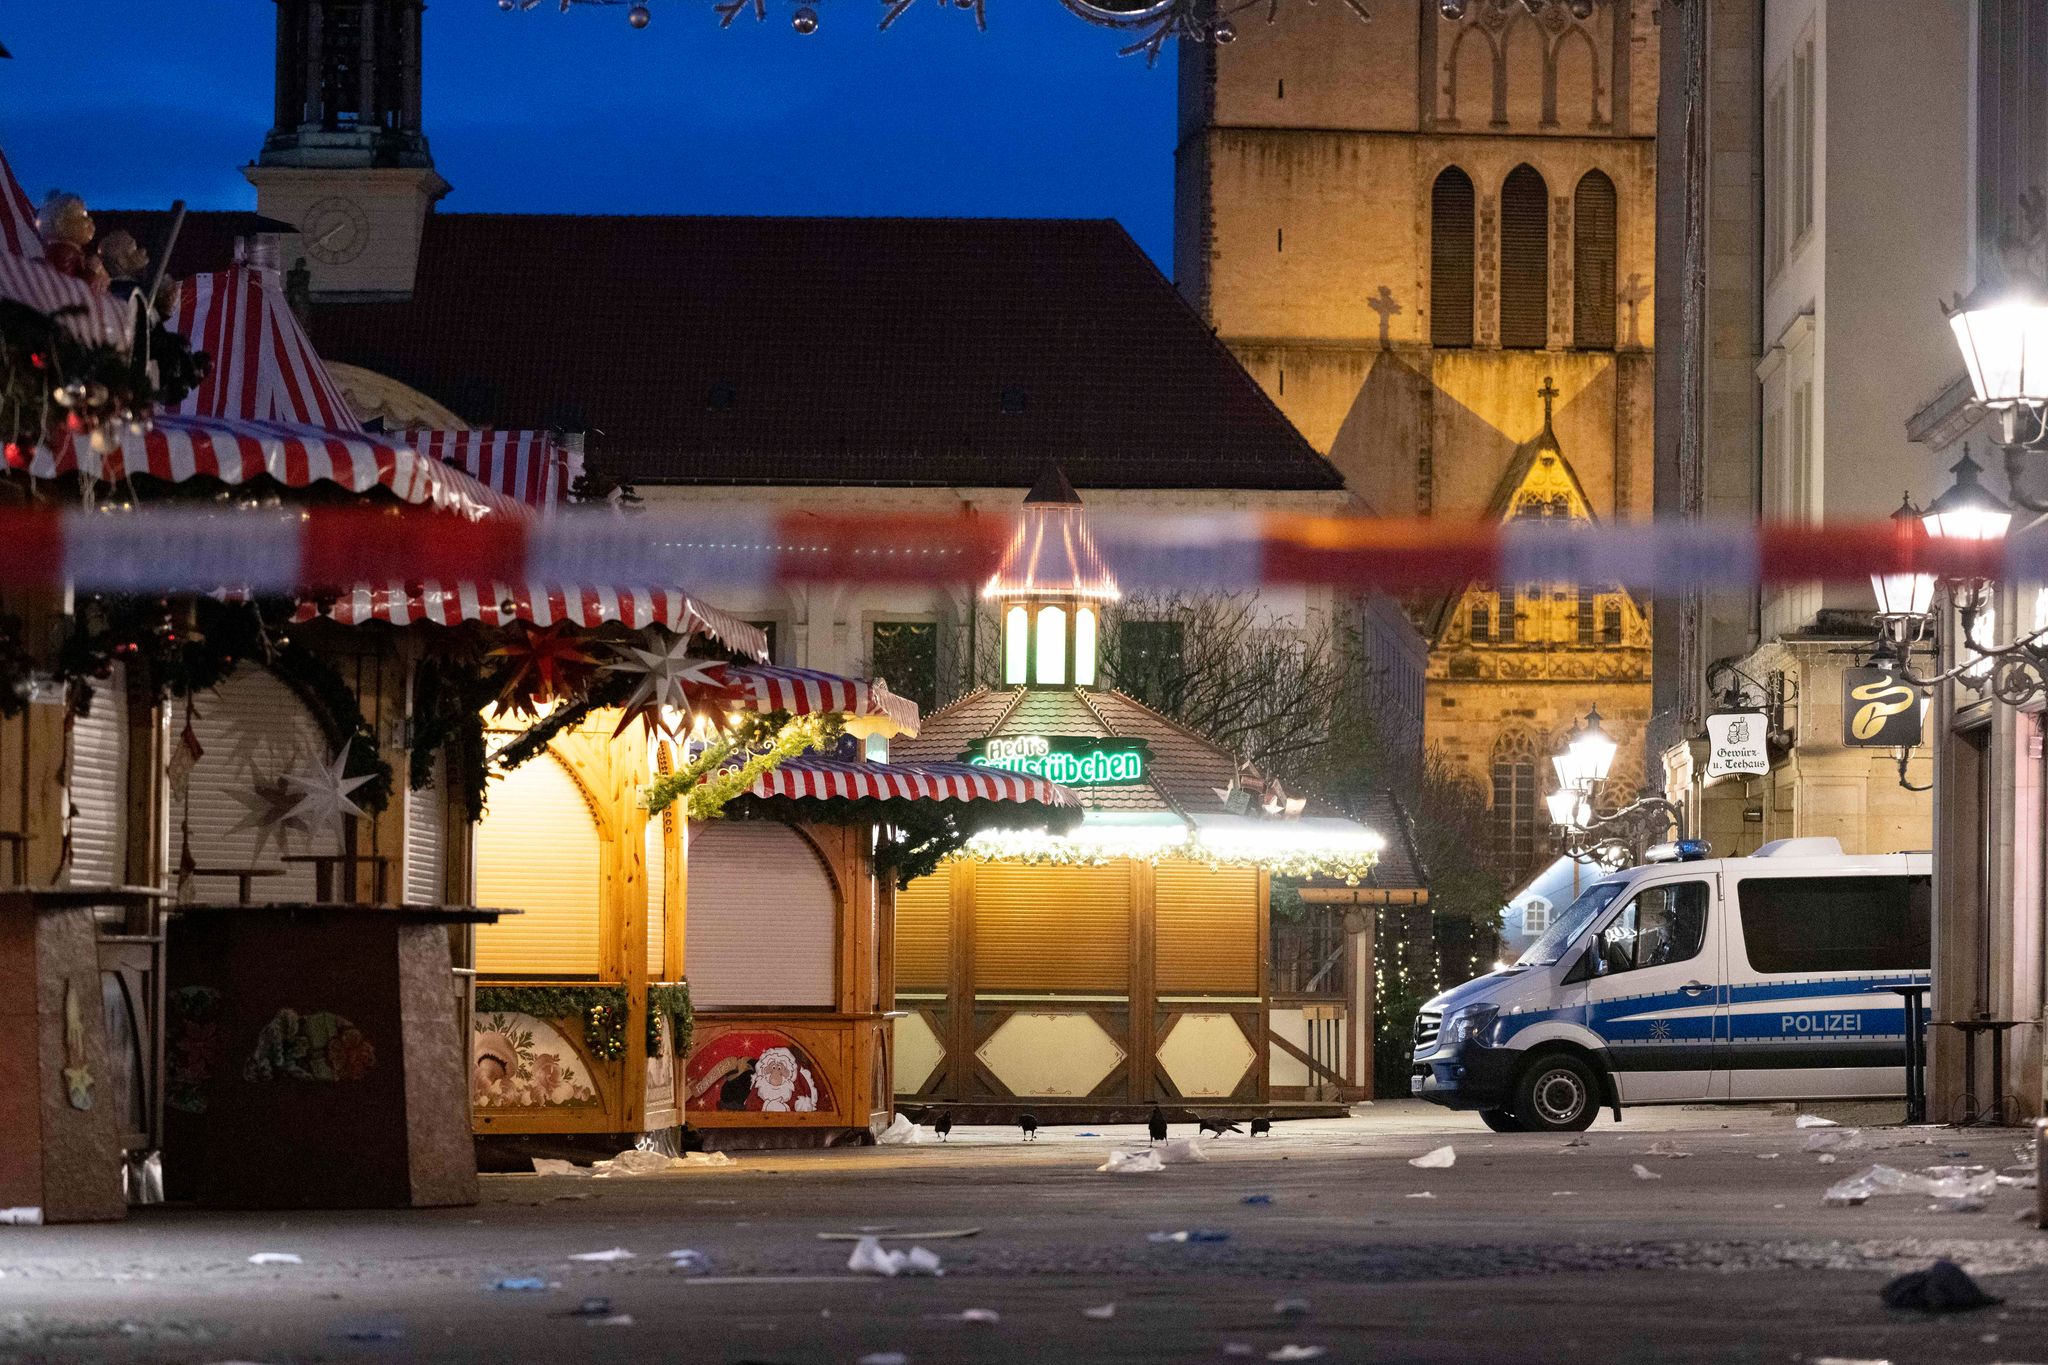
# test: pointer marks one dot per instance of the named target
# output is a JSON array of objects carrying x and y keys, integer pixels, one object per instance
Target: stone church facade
[{"x": 1431, "y": 239}]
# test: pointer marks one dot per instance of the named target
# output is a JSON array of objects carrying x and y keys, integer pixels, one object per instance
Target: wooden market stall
[{"x": 1094, "y": 973}]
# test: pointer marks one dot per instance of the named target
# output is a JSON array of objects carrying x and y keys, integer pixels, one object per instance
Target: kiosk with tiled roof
[{"x": 1122, "y": 963}]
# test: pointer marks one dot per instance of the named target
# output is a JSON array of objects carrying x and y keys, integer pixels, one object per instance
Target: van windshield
[{"x": 1566, "y": 928}]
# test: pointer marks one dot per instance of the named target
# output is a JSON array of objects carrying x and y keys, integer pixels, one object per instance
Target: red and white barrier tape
[{"x": 171, "y": 548}]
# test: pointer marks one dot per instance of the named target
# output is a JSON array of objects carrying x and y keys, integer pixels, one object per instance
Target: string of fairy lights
[{"x": 1151, "y": 24}]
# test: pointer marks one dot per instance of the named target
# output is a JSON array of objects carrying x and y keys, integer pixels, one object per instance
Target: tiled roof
[
  {"x": 882, "y": 351},
  {"x": 1400, "y": 867}
]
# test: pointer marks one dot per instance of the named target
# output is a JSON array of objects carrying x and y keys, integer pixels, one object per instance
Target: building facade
[
  {"x": 1430, "y": 239},
  {"x": 1806, "y": 338}
]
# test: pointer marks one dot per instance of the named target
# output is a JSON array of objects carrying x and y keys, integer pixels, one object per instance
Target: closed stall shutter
[
  {"x": 99, "y": 787},
  {"x": 537, "y": 852},
  {"x": 1047, "y": 930},
  {"x": 763, "y": 921},
  {"x": 1451, "y": 241},
  {"x": 1206, "y": 929},
  {"x": 657, "y": 893},
  {"x": 924, "y": 932},
  {"x": 1524, "y": 260},
  {"x": 426, "y": 840},
  {"x": 252, "y": 728}
]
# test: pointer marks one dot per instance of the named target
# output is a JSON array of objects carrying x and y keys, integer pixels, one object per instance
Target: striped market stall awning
[
  {"x": 540, "y": 604},
  {"x": 94, "y": 318},
  {"x": 815, "y": 778},
  {"x": 177, "y": 447},
  {"x": 18, "y": 235},
  {"x": 264, "y": 367},
  {"x": 805, "y": 691},
  {"x": 531, "y": 466}
]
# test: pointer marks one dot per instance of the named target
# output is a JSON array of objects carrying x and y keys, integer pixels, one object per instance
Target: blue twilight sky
[{"x": 136, "y": 102}]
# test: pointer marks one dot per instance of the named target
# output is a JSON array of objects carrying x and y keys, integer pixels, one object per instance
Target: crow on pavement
[
  {"x": 1156, "y": 1125},
  {"x": 1218, "y": 1127},
  {"x": 1261, "y": 1127},
  {"x": 1029, "y": 1123},
  {"x": 944, "y": 1125}
]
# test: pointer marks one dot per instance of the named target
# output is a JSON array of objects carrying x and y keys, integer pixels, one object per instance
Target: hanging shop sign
[
  {"x": 1735, "y": 744},
  {"x": 1070, "y": 760},
  {"x": 1879, "y": 709}
]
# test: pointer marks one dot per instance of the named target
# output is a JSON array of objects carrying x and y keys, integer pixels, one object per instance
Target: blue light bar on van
[{"x": 1681, "y": 851}]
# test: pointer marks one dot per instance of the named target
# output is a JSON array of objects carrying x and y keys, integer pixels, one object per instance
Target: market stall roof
[
  {"x": 532, "y": 466},
  {"x": 818, "y": 778},
  {"x": 805, "y": 691},
  {"x": 433, "y": 602},
  {"x": 177, "y": 447},
  {"x": 18, "y": 235},
  {"x": 264, "y": 365},
  {"x": 92, "y": 317}
]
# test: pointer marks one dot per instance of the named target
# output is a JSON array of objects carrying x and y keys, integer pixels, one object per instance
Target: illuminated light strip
[{"x": 199, "y": 549}]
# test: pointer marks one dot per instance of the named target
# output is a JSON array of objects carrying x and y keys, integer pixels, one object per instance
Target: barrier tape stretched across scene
[{"x": 173, "y": 549}]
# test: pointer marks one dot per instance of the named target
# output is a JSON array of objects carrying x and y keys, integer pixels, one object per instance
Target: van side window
[
  {"x": 1836, "y": 924},
  {"x": 1662, "y": 925}
]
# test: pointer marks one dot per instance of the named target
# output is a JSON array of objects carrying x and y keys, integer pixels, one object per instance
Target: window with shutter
[
  {"x": 537, "y": 852},
  {"x": 251, "y": 728},
  {"x": 1450, "y": 259},
  {"x": 924, "y": 932},
  {"x": 99, "y": 787},
  {"x": 1205, "y": 929},
  {"x": 1052, "y": 930},
  {"x": 1524, "y": 260},
  {"x": 1593, "y": 269},
  {"x": 426, "y": 840},
  {"x": 762, "y": 931}
]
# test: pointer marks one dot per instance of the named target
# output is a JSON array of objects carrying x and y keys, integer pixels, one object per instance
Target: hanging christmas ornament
[
  {"x": 543, "y": 664},
  {"x": 805, "y": 20},
  {"x": 322, "y": 790},
  {"x": 270, "y": 809},
  {"x": 666, "y": 676}
]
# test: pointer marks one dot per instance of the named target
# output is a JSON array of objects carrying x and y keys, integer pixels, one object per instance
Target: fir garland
[
  {"x": 601, "y": 1009},
  {"x": 710, "y": 786},
  {"x": 609, "y": 690},
  {"x": 670, "y": 1002}
]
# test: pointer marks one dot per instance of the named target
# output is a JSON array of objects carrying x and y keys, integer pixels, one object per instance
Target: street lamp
[
  {"x": 1586, "y": 831},
  {"x": 1967, "y": 513},
  {"x": 1905, "y": 599},
  {"x": 2002, "y": 332}
]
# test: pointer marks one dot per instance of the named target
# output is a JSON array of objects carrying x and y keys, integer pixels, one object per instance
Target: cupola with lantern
[{"x": 1050, "y": 590}]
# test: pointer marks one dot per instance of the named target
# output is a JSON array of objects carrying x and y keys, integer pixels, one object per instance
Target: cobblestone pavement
[{"x": 1526, "y": 1249}]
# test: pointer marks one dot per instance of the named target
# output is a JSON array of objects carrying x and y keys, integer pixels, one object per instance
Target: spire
[
  {"x": 348, "y": 85},
  {"x": 1052, "y": 487},
  {"x": 1052, "y": 555}
]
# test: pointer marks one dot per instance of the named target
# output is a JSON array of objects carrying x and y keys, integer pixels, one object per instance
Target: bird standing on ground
[
  {"x": 1156, "y": 1125},
  {"x": 1029, "y": 1123},
  {"x": 944, "y": 1125},
  {"x": 1218, "y": 1127},
  {"x": 1261, "y": 1127}
]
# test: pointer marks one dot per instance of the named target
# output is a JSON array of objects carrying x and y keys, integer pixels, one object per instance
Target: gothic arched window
[
  {"x": 1515, "y": 804},
  {"x": 1593, "y": 228},
  {"x": 1524, "y": 260},
  {"x": 1450, "y": 259}
]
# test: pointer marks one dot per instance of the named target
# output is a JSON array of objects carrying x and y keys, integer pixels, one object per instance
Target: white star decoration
[
  {"x": 665, "y": 671},
  {"x": 323, "y": 790},
  {"x": 269, "y": 807}
]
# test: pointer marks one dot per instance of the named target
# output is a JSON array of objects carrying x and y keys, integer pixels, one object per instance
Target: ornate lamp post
[{"x": 1614, "y": 836}]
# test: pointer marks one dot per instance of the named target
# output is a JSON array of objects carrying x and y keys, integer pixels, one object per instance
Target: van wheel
[
  {"x": 1501, "y": 1121},
  {"x": 1557, "y": 1094}
]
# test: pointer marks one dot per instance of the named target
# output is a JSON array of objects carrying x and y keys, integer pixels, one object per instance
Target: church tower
[
  {"x": 346, "y": 159},
  {"x": 1430, "y": 238}
]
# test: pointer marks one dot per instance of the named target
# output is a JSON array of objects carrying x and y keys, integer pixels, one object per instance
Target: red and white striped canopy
[
  {"x": 819, "y": 778},
  {"x": 91, "y": 316},
  {"x": 531, "y": 466},
  {"x": 264, "y": 367},
  {"x": 805, "y": 691},
  {"x": 541, "y": 604},
  {"x": 178, "y": 447},
  {"x": 18, "y": 235}
]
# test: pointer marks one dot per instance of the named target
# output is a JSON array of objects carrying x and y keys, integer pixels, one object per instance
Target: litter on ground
[
  {"x": 1101, "y": 1313},
  {"x": 870, "y": 1257},
  {"x": 901, "y": 1132},
  {"x": 521, "y": 1284},
  {"x": 1956, "y": 1189},
  {"x": 612, "y": 1254},
  {"x": 1813, "y": 1121},
  {"x": 1132, "y": 1163},
  {"x": 275, "y": 1258},
  {"x": 1643, "y": 1172},
  {"x": 1943, "y": 1287},
  {"x": 1437, "y": 1159}
]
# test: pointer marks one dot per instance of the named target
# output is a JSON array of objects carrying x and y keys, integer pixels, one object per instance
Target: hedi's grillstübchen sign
[{"x": 1070, "y": 760}]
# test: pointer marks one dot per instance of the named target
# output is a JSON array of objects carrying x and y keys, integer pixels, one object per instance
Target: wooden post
[{"x": 1144, "y": 982}]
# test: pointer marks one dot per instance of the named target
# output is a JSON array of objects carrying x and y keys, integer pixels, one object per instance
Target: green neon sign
[{"x": 1070, "y": 760}]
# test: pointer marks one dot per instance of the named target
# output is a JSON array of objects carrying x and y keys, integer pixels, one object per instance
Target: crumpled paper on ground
[
  {"x": 1132, "y": 1163},
  {"x": 1181, "y": 1151},
  {"x": 870, "y": 1257},
  {"x": 1436, "y": 1159},
  {"x": 1963, "y": 1188},
  {"x": 901, "y": 1132},
  {"x": 633, "y": 1162}
]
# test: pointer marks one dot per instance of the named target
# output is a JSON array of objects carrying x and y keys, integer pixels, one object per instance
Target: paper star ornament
[
  {"x": 270, "y": 808},
  {"x": 323, "y": 790},
  {"x": 665, "y": 675}
]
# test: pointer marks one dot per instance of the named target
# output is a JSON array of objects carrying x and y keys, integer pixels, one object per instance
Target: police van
[{"x": 1693, "y": 979}]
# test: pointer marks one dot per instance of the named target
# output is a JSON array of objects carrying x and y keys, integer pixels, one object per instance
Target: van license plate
[{"x": 1415, "y": 1085}]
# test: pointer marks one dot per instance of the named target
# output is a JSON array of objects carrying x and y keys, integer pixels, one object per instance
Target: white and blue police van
[{"x": 1693, "y": 979}]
